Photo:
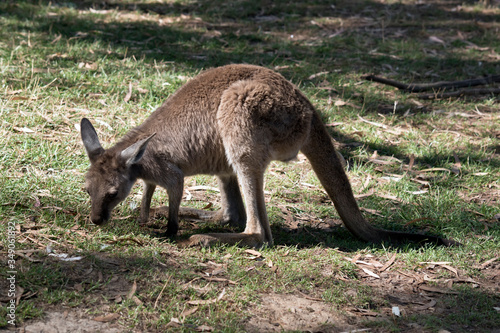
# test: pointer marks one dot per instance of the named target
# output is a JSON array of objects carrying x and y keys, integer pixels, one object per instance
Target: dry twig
[{"x": 415, "y": 87}]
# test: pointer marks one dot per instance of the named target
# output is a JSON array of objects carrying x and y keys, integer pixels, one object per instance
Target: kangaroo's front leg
[
  {"x": 148, "y": 191},
  {"x": 175, "y": 190},
  {"x": 233, "y": 209}
]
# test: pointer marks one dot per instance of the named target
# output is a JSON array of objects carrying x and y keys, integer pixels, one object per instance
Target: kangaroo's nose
[{"x": 99, "y": 219}]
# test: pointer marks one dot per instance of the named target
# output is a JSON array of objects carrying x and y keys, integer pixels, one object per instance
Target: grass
[{"x": 61, "y": 61}]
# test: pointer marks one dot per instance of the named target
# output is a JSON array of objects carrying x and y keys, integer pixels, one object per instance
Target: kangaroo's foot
[{"x": 242, "y": 239}]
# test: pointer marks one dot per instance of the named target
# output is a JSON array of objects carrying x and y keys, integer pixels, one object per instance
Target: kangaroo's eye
[{"x": 112, "y": 195}]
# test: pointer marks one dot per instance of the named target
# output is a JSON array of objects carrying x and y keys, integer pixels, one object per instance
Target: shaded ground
[{"x": 432, "y": 289}]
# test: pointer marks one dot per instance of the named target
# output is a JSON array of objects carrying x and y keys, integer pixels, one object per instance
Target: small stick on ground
[
  {"x": 461, "y": 92},
  {"x": 161, "y": 292},
  {"x": 416, "y": 87}
]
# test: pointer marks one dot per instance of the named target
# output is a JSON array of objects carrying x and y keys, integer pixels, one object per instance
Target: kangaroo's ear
[
  {"x": 90, "y": 140},
  {"x": 133, "y": 153}
]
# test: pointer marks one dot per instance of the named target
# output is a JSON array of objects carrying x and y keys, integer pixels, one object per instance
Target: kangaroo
[{"x": 230, "y": 122}]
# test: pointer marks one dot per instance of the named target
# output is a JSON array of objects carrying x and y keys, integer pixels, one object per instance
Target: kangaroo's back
[{"x": 186, "y": 123}]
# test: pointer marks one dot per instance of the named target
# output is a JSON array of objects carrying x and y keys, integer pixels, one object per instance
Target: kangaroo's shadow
[{"x": 305, "y": 234}]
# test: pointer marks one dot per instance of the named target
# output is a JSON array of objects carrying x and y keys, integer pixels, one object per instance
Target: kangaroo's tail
[{"x": 328, "y": 167}]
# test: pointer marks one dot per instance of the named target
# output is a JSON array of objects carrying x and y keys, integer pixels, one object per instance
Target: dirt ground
[{"x": 414, "y": 294}]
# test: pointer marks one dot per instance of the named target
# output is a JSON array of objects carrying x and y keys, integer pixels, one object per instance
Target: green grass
[{"x": 61, "y": 61}]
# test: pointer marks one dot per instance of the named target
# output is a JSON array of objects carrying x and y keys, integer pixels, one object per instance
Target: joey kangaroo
[{"x": 231, "y": 122}]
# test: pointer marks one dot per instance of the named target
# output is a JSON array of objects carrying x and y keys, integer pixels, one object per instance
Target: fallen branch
[{"x": 416, "y": 87}]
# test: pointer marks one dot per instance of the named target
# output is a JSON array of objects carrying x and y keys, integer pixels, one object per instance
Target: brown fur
[{"x": 230, "y": 122}]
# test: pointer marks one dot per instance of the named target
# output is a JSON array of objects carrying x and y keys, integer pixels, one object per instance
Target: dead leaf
[
  {"x": 19, "y": 98},
  {"x": 102, "y": 122},
  {"x": 188, "y": 312},
  {"x": 15, "y": 92},
  {"x": 432, "y": 170},
  {"x": 389, "y": 197},
  {"x": 367, "y": 271},
  {"x": 383, "y": 162},
  {"x": 129, "y": 93},
  {"x": 435, "y": 39},
  {"x": 364, "y": 312},
  {"x": 132, "y": 290},
  {"x": 437, "y": 290},
  {"x": 388, "y": 264},
  {"x": 417, "y": 192},
  {"x": 435, "y": 262},
  {"x": 203, "y": 187},
  {"x": 371, "y": 122},
  {"x": 451, "y": 269},
  {"x": 208, "y": 301},
  {"x": 372, "y": 211},
  {"x": 340, "y": 102},
  {"x": 23, "y": 129},
  {"x": 107, "y": 318},
  {"x": 412, "y": 161},
  {"x": 253, "y": 253},
  {"x": 136, "y": 300},
  {"x": 57, "y": 56},
  {"x": 316, "y": 75},
  {"x": 354, "y": 259},
  {"x": 208, "y": 206},
  {"x": 357, "y": 196},
  {"x": 55, "y": 40},
  {"x": 204, "y": 328},
  {"x": 334, "y": 124},
  {"x": 87, "y": 66},
  {"x": 425, "y": 306},
  {"x": 161, "y": 292},
  {"x": 19, "y": 293},
  {"x": 467, "y": 280},
  {"x": 489, "y": 262},
  {"x": 421, "y": 182},
  {"x": 65, "y": 211},
  {"x": 125, "y": 239},
  {"x": 174, "y": 322}
]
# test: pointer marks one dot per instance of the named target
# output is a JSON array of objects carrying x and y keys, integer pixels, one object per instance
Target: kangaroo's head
[{"x": 110, "y": 176}]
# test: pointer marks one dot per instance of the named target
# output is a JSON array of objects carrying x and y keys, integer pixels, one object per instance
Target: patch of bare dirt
[
  {"x": 70, "y": 322},
  {"x": 278, "y": 312}
]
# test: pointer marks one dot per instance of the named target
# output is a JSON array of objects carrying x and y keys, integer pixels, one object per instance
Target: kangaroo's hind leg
[
  {"x": 246, "y": 123},
  {"x": 257, "y": 231}
]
